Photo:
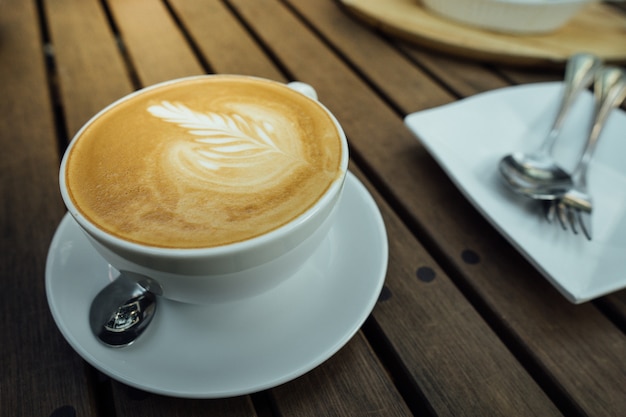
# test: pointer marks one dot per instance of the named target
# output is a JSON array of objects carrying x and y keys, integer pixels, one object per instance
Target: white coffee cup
[{"x": 223, "y": 272}]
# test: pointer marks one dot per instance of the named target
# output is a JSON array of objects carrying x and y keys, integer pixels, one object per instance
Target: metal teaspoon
[
  {"x": 122, "y": 310},
  {"x": 536, "y": 174}
]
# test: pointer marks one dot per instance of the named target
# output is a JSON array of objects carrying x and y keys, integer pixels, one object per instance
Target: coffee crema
[{"x": 203, "y": 162}]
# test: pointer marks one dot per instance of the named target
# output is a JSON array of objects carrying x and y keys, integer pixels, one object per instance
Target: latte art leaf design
[{"x": 226, "y": 140}]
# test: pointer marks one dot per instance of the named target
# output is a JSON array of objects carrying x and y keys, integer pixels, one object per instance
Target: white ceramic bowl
[{"x": 509, "y": 16}]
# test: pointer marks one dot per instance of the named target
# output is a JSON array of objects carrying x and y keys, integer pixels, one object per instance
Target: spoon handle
[
  {"x": 579, "y": 73},
  {"x": 609, "y": 92}
]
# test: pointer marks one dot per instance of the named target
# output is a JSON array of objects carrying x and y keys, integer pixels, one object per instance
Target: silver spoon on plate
[{"x": 536, "y": 174}]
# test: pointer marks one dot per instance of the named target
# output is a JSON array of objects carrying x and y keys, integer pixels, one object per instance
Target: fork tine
[
  {"x": 549, "y": 210},
  {"x": 572, "y": 217},
  {"x": 561, "y": 214},
  {"x": 584, "y": 220}
]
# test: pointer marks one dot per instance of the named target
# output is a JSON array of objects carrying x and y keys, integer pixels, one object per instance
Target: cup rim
[{"x": 257, "y": 241}]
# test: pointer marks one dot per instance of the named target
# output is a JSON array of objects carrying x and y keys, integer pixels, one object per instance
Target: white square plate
[{"x": 470, "y": 136}]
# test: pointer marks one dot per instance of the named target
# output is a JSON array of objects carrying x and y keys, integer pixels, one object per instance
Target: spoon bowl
[
  {"x": 534, "y": 176},
  {"x": 122, "y": 310}
]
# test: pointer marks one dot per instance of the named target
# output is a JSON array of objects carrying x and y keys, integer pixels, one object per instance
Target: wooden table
[{"x": 464, "y": 325}]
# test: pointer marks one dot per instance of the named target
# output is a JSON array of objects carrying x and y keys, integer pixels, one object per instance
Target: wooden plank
[
  {"x": 556, "y": 335},
  {"x": 615, "y": 304},
  {"x": 351, "y": 383},
  {"x": 462, "y": 77},
  {"x": 532, "y": 76},
  {"x": 308, "y": 59},
  {"x": 40, "y": 374},
  {"x": 132, "y": 402},
  {"x": 435, "y": 80},
  {"x": 223, "y": 41},
  {"x": 90, "y": 69},
  {"x": 441, "y": 339},
  {"x": 156, "y": 46},
  {"x": 411, "y": 86}
]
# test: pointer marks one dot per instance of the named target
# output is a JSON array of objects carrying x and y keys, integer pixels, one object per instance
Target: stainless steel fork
[{"x": 574, "y": 208}]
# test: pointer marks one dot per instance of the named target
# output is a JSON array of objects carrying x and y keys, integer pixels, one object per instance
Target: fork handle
[
  {"x": 609, "y": 92},
  {"x": 579, "y": 73}
]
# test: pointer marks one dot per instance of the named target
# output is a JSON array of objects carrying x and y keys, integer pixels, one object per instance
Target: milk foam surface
[{"x": 203, "y": 162}]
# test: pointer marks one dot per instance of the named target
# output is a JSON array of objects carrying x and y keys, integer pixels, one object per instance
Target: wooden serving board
[{"x": 598, "y": 28}]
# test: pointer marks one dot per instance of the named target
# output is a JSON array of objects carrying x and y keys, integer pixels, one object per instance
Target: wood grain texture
[
  {"x": 447, "y": 348},
  {"x": 409, "y": 85},
  {"x": 351, "y": 383},
  {"x": 40, "y": 373},
  {"x": 415, "y": 82},
  {"x": 464, "y": 78},
  {"x": 89, "y": 66},
  {"x": 616, "y": 306},
  {"x": 155, "y": 44},
  {"x": 132, "y": 402},
  {"x": 225, "y": 44}
]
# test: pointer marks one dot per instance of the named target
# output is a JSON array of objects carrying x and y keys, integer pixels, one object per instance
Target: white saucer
[
  {"x": 240, "y": 347},
  {"x": 469, "y": 137}
]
